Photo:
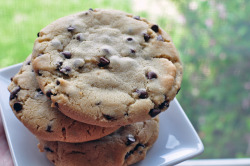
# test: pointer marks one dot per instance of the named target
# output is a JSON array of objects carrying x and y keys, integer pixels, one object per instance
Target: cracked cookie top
[
  {"x": 34, "y": 110},
  {"x": 126, "y": 146},
  {"x": 107, "y": 67}
]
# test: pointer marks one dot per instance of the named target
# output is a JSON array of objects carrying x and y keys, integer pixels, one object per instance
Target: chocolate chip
[
  {"x": 13, "y": 94},
  {"x": 91, "y": 9},
  {"x": 142, "y": 94},
  {"x": 28, "y": 63},
  {"x": 137, "y": 17},
  {"x": 154, "y": 112},
  {"x": 165, "y": 105},
  {"x": 178, "y": 90},
  {"x": 139, "y": 145},
  {"x": 127, "y": 155},
  {"x": 132, "y": 51},
  {"x": 106, "y": 51},
  {"x": 70, "y": 29},
  {"x": 130, "y": 139},
  {"x": 103, "y": 62},
  {"x": 146, "y": 37},
  {"x": 59, "y": 64},
  {"x": 160, "y": 38},
  {"x": 66, "y": 54},
  {"x": 57, "y": 82},
  {"x": 80, "y": 37},
  {"x": 11, "y": 78},
  {"x": 108, "y": 117},
  {"x": 48, "y": 129},
  {"x": 151, "y": 75},
  {"x": 18, "y": 107},
  {"x": 39, "y": 73},
  {"x": 49, "y": 93},
  {"x": 38, "y": 34},
  {"x": 129, "y": 39},
  {"x": 56, "y": 104},
  {"x": 39, "y": 91},
  {"x": 155, "y": 28},
  {"x": 47, "y": 149},
  {"x": 65, "y": 70},
  {"x": 98, "y": 103}
]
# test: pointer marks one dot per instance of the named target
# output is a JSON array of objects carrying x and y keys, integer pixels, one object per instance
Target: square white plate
[{"x": 178, "y": 141}]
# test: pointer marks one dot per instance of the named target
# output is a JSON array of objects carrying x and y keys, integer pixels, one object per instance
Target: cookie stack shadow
[{"x": 93, "y": 87}]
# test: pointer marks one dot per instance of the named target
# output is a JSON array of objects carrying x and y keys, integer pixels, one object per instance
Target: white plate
[{"x": 178, "y": 141}]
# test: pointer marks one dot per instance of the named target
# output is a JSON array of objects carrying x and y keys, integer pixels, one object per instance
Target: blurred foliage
[
  {"x": 22, "y": 20},
  {"x": 214, "y": 47},
  {"x": 212, "y": 38}
]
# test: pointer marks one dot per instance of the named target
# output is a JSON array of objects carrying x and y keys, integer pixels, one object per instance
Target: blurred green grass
[{"x": 22, "y": 20}]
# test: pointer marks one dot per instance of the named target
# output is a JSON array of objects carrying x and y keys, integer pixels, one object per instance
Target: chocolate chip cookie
[
  {"x": 34, "y": 110},
  {"x": 126, "y": 146},
  {"x": 107, "y": 67}
]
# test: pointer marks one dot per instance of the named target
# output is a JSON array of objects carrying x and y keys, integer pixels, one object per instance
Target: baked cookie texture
[
  {"x": 107, "y": 67},
  {"x": 126, "y": 146},
  {"x": 34, "y": 110}
]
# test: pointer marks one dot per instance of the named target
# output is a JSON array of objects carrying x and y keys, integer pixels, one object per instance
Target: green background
[{"x": 212, "y": 38}]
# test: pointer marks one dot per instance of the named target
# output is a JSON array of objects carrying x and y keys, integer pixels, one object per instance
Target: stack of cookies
[{"x": 93, "y": 86}]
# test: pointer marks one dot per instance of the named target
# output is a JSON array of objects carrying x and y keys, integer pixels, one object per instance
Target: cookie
[
  {"x": 34, "y": 110},
  {"x": 126, "y": 146},
  {"x": 107, "y": 67}
]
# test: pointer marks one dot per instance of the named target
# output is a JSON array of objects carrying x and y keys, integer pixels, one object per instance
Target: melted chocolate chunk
[
  {"x": 146, "y": 37},
  {"x": 151, "y": 75},
  {"x": 154, "y": 112},
  {"x": 137, "y": 17},
  {"x": 70, "y": 29},
  {"x": 108, "y": 117},
  {"x": 142, "y": 94},
  {"x": 47, "y": 149},
  {"x": 91, "y": 9},
  {"x": 67, "y": 54},
  {"x": 129, "y": 39},
  {"x": 103, "y": 62},
  {"x": 48, "y": 129},
  {"x": 13, "y": 94},
  {"x": 155, "y": 28},
  {"x": 18, "y": 107},
  {"x": 160, "y": 38},
  {"x": 38, "y": 34},
  {"x": 130, "y": 139},
  {"x": 11, "y": 78}
]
